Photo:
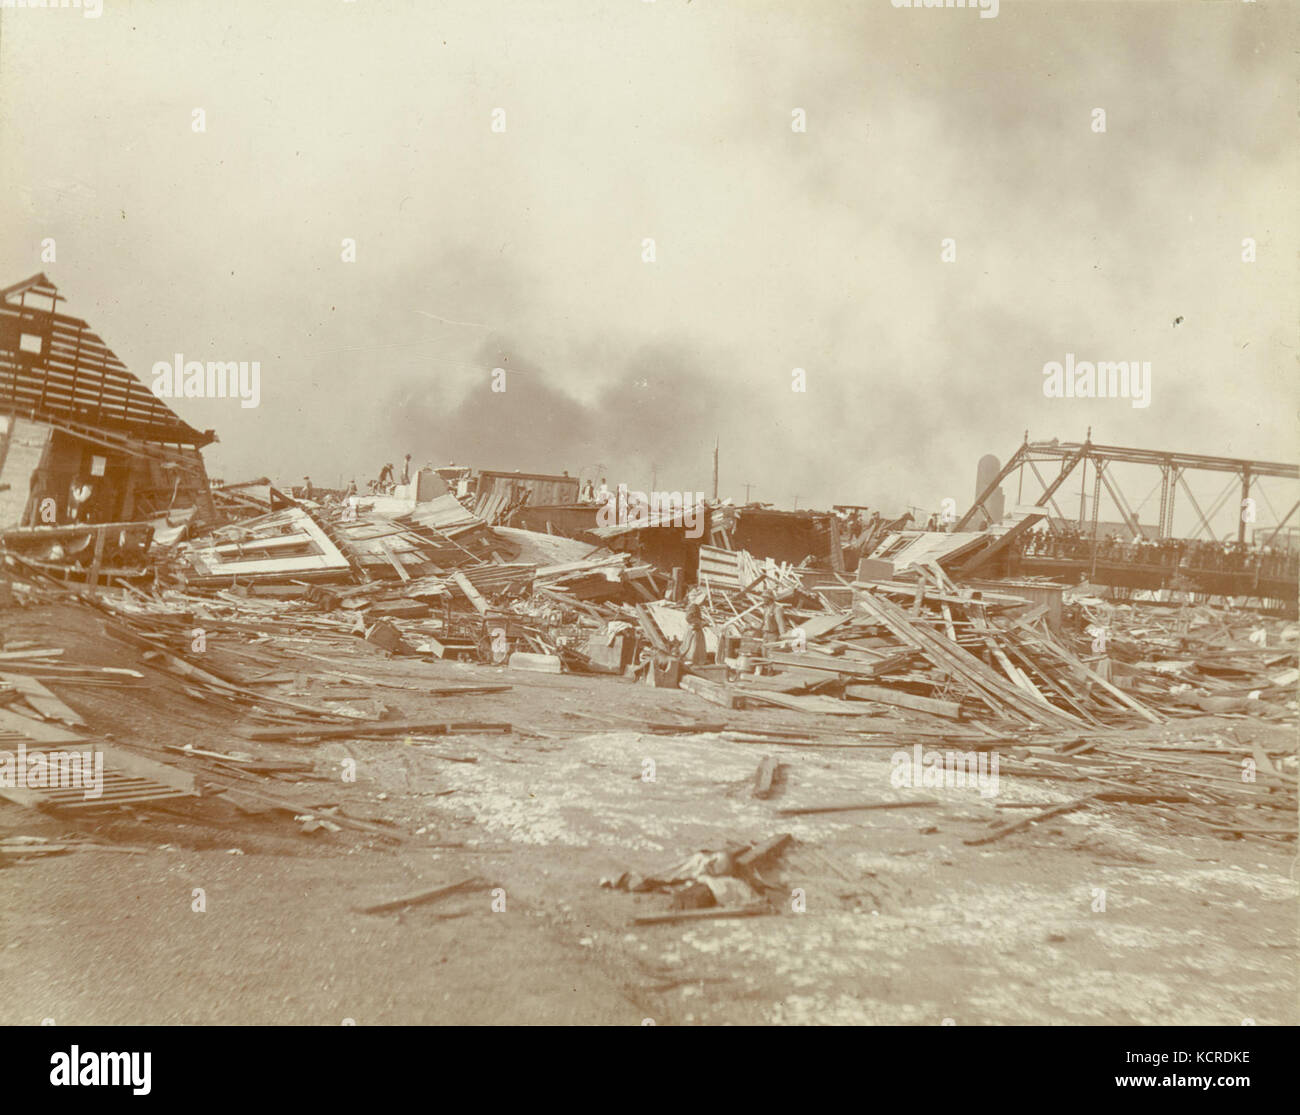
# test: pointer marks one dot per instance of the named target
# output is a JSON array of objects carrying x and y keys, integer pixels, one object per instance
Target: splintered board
[
  {"x": 808, "y": 703},
  {"x": 16, "y": 728},
  {"x": 41, "y": 699},
  {"x": 128, "y": 779},
  {"x": 286, "y": 543}
]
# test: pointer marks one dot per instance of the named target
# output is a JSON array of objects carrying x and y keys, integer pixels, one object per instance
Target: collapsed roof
[{"x": 54, "y": 368}]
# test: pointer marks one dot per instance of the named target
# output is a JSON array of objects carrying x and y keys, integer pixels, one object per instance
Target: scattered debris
[{"x": 424, "y": 897}]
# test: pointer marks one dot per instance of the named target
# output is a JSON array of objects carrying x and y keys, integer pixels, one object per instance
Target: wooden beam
[{"x": 471, "y": 593}]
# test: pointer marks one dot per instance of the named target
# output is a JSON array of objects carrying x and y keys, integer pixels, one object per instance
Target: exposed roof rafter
[{"x": 53, "y": 366}]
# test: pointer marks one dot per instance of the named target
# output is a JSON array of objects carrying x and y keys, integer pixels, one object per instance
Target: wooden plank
[
  {"x": 636, "y": 586},
  {"x": 471, "y": 593},
  {"x": 1262, "y": 762},
  {"x": 127, "y": 778},
  {"x": 853, "y": 667},
  {"x": 711, "y": 913},
  {"x": 759, "y": 852},
  {"x": 649, "y": 627},
  {"x": 1018, "y": 678},
  {"x": 365, "y": 728},
  {"x": 855, "y": 806},
  {"x": 437, "y": 647},
  {"x": 992, "y": 688},
  {"x": 947, "y": 620},
  {"x": 1013, "y": 671},
  {"x": 711, "y": 691},
  {"x": 1097, "y": 679},
  {"x": 791, "y": 679},
  {"x": 42, "y": 700},
  {"x": 38, "y": 731},
  {"x": 1062, "y": 690},
  {"x": 96, "y": 563},
  {"x": 885, "y": 696},
  {"x": 1027, "y": 821},
  {"x": 900, "y": 588},
  {"x": 837, "y": 551},
  {"x": 392, "y": 559},
  {"x": 424, "y": 897},
  {"x": 807, "y": 703},
  {"x": 764, "y": 775},
  {"x": 140, "y": 766}
]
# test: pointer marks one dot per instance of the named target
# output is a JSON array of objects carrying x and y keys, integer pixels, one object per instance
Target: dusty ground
[{"x": 903, "y": 923}]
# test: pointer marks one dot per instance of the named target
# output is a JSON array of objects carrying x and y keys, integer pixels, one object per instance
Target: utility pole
[
  {"x": 1083, "y": 489},
  {"x": 715, "y": 468},
  {"x": 1245, "y": 495},
  {"x": 748, "y": 485}
]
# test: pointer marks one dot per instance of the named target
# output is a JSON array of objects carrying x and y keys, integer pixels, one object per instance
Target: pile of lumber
[
  {"x": 1116, "y": 707},
  {"x": 929, "y": 647},
  {"x": 1224, "y": 783}
]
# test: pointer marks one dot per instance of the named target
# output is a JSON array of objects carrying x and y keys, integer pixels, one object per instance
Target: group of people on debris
[
  {"x": 385, "y": 484},
  {"x": 388, "y": 480},
  {"x": 1168, "y": 553},
  {"x": 589, "y": 493},
  {"x": 694, "y": 650}
]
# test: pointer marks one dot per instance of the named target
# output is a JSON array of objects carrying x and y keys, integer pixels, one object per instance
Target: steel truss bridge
[{"x": 1075, "y": 550}]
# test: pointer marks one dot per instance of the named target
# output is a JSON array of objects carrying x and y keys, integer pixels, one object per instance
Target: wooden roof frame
[{"x": 75, "y": 376}]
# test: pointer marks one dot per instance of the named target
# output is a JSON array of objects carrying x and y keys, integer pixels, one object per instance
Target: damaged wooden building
[{"x": 91, "y": 461}]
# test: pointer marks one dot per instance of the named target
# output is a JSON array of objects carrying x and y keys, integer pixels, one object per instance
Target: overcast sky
[{"x": 774, "y": 249}]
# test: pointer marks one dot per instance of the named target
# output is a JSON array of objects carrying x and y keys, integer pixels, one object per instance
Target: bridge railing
[{"x": 1168, "y": 556}]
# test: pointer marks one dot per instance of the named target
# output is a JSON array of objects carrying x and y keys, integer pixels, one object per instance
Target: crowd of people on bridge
[{"x": 1070, "y": 543}]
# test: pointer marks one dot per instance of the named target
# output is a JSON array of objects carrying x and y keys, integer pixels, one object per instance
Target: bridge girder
[{"x": 1172, "y": 466}]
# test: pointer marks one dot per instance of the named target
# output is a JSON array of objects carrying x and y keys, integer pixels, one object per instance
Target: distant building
[
  {"x": 986, "y": 471},
  {"x": 499, "y": 495}
]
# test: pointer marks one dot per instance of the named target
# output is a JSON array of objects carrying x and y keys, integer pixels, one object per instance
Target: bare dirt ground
[{"x": 901, "y": 922}]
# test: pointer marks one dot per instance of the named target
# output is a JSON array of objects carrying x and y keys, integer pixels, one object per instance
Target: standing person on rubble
[
  {"x": 78, "y": 496},
  {"x": 771, "y": 627},
  {"x": 386, "y": 478},
  {"x": 406, "y": 470},
  {"x": 694, "y": 651},
  {"x": 308, "y": 492}
]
